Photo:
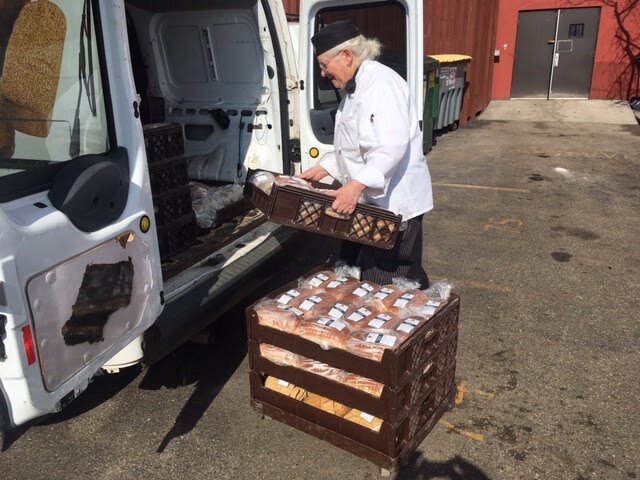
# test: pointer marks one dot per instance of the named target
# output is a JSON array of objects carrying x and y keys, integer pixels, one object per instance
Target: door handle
[{"x": 551, "y": 42}]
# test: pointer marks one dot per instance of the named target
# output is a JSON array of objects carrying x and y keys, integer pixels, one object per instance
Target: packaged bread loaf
[
  {"x": 407, "y": 299},
  {"x": 362, "y": 291},
  {"x": 359, "y": 314},
  {"x": 405, "y": 326},
  {"x": 325, "y": 331},
  {"x": 335, "y": 310},
  {"x": 285, "y": 388},
  {"x": 340, "y": 287},
  {"x": 363, "y": 384},
  {"x": 310, "y": 302},
  {"x": 276, "y": 315},
  {"x": 371, "y": 343},
  {"x": 318, "y": 280},
  {"x": 280, "y": 356},
  {"x": 263, "y": 181},
  {"x": 361, "y": 418},
  {"x": 384, "y": 297},
  {"x": 326, "y": 404}
]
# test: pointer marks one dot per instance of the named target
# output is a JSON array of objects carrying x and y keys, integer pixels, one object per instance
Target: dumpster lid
[{"x": 451, "y": 58}]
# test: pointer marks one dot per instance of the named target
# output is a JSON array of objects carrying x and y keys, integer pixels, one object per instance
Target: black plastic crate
[
  {"x": 310, "y": 211},
  {"x": 172, "y": 205},
  {"x": 163, "y": 141},
  {"x": 177, "y": 236},
  {"x": 168, "y": 174},
  {"x": 389, "y": 447}
]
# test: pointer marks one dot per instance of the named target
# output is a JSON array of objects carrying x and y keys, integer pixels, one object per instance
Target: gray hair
[{"x": 363, "y": 48}]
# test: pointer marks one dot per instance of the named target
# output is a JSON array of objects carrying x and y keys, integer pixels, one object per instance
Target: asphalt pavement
[{"x": 536, "y": 223}]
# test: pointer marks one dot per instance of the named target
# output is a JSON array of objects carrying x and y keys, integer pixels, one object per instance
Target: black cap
[{"x": 332, "y": 35}]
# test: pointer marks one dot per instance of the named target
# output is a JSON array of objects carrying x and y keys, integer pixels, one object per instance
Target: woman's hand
[
  {"x": 313, "y": 174},
  {"x": 346, "y": 197}
]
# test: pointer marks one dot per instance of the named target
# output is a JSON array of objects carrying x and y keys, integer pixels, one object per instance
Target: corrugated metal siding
[{"x": 462, "y": 26}]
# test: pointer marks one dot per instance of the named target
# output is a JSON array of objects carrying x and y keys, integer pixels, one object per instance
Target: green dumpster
[
  {"x": 430, "y": 111},
  {"x": 452, "y": 73}
]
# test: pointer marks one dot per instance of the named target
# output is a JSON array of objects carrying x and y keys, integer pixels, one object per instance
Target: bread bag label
[
  {"x": 318, "y": 279},
  {"x": 288, "y": 296},
  {"x": 337, "y": 282},
  {"x": 310, "y": 302},
  {"x": 408, "y": 325},
  {"x": 403, "y": 300},
  {"x": 333, "y": 323},
  {"x": 293, "y": 310},
  {"x": 283, "y": 383},
  {"x": 359, "y": 314},
  {"x": 383, "y": 293},
  {"x": 367, "y": 417},
  {"x": 338, "y": 310},
  {"x": 379, "y": 320},
  {"x": 381, "y": 339},
  {"x": 363, "y": 290}
]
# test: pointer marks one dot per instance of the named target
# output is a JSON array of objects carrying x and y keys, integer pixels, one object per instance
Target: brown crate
[
  {"x": 162, "y": 141},
  {"x": 307, "y": 210},
  {"x": 388, "y": 448},
  {"x": 396, "y": 368},
  {"x": 172, "y": 204},
  {"x": 392, "y": 406}
]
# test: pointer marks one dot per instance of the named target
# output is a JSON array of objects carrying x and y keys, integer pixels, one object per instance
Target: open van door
[
  {"x": 80, "y": 271},
  {"x": 398, "y": 24}
]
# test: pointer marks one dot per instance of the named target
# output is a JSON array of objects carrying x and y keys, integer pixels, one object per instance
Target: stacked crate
[
  {"x": 176, "y": 221},
  {"x": 418, "y": 387}
]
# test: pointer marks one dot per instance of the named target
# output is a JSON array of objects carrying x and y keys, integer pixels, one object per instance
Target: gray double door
[{"x": 554, "y": 53}]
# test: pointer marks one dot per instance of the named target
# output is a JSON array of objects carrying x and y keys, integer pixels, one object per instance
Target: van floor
[{"x": 209, "y": 241}]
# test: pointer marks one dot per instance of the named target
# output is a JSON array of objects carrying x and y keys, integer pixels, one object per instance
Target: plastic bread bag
[
  {"x": 309, "y": 303},
  {"x": 341, "y": 286},
  {"x": 364, "y": 419},
  {"x": 407, "y": 299},
  {"x": 440, "y": 290},
  {"x": 380, "y": 321},
  {"x": 285, "y": 388},
  {"x": 405, "y": 325},
  {"x": 335, "y": 310},
  {"x": 326, "y": 404},
  {"x": 359, "y": 314},
  {"x": 317, "y": 280},
  {"x": 204, "y": 207},
  {"x": 280, "y": 356},
  {"x": 363, "y": 384},
  {"x": 325, "y": 331},
  {"x": 362, "y": 291},
  {"x": 371, "y": 343},
  {"x": 289, "y": 296},
  {"x": 293, "y": 181},
  {"x": 263, "y": 180},
  {"x": 322, "y": 369},
  {"x": 277, "y": 315},
  {"x": 343, "y": 270}
]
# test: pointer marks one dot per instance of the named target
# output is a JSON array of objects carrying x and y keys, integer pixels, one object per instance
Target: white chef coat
[{"x": 378, "y": 142}]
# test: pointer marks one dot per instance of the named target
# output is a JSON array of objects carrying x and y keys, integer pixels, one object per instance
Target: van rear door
[
  {"x": 80, "y": 272},
  {"x": 398, "y": 24}
]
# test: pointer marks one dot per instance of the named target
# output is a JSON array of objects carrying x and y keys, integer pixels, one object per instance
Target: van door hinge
[
  {"x": 3, "y": 331},
  {"x": 3, "y": 298}
]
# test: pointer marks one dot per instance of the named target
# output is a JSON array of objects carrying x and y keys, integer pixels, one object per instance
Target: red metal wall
[
  {"x": 466, "y": 27},
  {"x": 615, "y": 74}
]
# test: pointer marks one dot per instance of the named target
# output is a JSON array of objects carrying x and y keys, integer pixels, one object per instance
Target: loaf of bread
[
  {"x": 364, "y": 384},
  {"x": 278, "y": 316},
  {"x": 309, "y": 303},
  {"x": 293, "y": 182},
  {"x": 318, "y": 280},
  {"x": 322, "y": 369},
  {"x": 405, "y": 326},
  {"x": 289, "y": 297},
  {"x": 326, "y": 404},
  {"x": 407, "y": 299},
  {"x": 361, "y": 418},
  {"x": 31, "y": 70},
  {"x": 371, "y": 343},
  {"x": 359, "y": 314},
  {"x": 280, "y": 356},
  {"x": 335, "y": 310},
  {"x": 263, "y": 180},
  {"x": 385, "y": 296},
  {"x": 379, "y": 322},
  {"x": 285, "y": 388},
  {"x": 342, "y": 286},
  {"x": 363, "y": 290},
  {"x": 325, "y": 331}
]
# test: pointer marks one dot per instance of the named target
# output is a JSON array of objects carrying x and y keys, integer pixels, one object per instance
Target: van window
[
  {"x": 52, "y": 106},
  {"x": 385, "y": 21}
]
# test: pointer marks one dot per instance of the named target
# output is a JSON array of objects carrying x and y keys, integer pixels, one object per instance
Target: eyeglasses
[{"x": 323, "y": 66}]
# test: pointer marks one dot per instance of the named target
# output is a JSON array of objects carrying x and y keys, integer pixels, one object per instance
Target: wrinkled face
[{"x": 337, "y": 68}]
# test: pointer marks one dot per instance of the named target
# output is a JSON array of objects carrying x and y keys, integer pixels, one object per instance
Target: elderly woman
[{"x": 378, "y": 155}]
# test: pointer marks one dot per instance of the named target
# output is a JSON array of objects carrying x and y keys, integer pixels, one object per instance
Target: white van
[{"x": 108, "y": 110}]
